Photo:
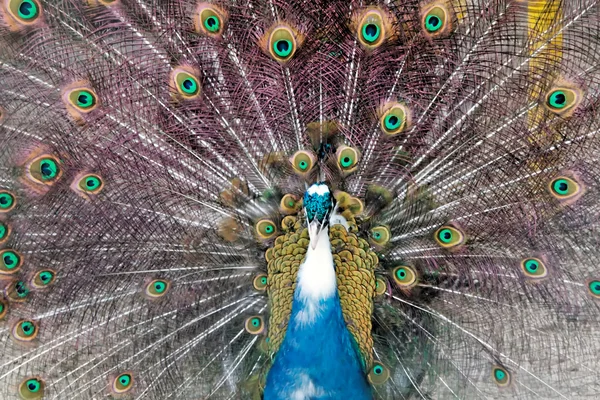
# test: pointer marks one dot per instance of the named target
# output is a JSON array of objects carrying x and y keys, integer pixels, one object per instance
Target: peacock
[{"x": 299, "y": 200}]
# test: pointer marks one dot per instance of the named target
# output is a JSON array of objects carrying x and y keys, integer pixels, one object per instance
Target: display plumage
[{"x": 299, "y": 200}]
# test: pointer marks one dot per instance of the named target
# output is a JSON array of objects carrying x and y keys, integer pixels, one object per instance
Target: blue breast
[{"x": 323, "y": 353}]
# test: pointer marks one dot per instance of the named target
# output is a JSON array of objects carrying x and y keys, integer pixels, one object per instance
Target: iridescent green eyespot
[
  {"x": 435, "y": 19},
  {"x": 24, "y": 11},
  {"x": 212, "y": 24},
  {"x": 255, "y": 325},
  {"x": 394, "y": 120},
  {"x": 17, "y": 291},
  {"x": 534, "y": 268},
  {"x": 122, "y": 383},
  {"x": 449, "y": 237},
  {"x": 158, "y": 288},
  {"x": 265, "y": 229},
  {"x": 562, "y": 100},
  {"x": 10, "y": 261},
  {"x": 371, "y": 28},
  {"x": 594, "y": 288},
  {"x": 380, "y": 236},
  {"x": 21, "y": 289},
  {"x": 380, "y": 286},
  {"x": 283, "y": 47},
  {"x": 501, "y": 376},
  {"x": 48, "y": 169},
  {"x": 45, "y": 169},
  {"x": 378, "y": 374},
  {"x": 32, "y": 388},
  {"x": 347, "y": 158},
  {"x": 25, "y": 330},
  {"x": 289, "y": 204},
  {"x": 557, "y": 99},
  {"x": 43, "y": 279},
  {"x": 260, "y": 282},
  {"x": 4, "y": 232},
  {"x": 83, "y": 99},
  {"x": 91, "y": 183},
  {"x": 302, "y": 162},
  {"x": 370, "y": 32},
  {"x": 282, "y": 43},
  {"x": 211, "y": 20},
  {"x": 7, "y": 201},
  {"x": 565, "y": 189},
  {"x": 405, "y": 276},
  {"x": 186, "y": 83}
]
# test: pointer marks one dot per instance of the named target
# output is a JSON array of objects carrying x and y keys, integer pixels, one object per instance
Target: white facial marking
[{"x": 318, "y": 188}]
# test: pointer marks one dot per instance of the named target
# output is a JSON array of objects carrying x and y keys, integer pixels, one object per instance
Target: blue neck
[{"x": 318, "y": 358}]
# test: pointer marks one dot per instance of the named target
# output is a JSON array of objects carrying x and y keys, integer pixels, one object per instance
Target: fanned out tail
[{"x": 154, "y": 156}]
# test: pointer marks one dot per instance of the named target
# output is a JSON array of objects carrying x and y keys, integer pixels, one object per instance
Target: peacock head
[{"x": 318, "y": 205}]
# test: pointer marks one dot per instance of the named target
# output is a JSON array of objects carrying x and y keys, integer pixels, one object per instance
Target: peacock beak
[{"x": 314, "y": 229}]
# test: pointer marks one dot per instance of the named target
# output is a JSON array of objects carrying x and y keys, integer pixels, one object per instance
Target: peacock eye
[
  {"x": 260, "y": 282},
  {"x": 255, "y": 325},
  {"x": 562, "y": 100},
  {"x": 32, "y": 389},
  {"x": 24, "y": 11},
  {"x": 211, "y": 20},
  {"x": 10, "y": 261},
  {"x": 91, "y": 184},
  {"x": 501, "y": 376},
  {"x": 394, "y": 120},
  {"x": 187, "y": 85},
  {"x": 380, "y": 286},
  {"x": 265, "y": 228},
  {"x": 43, "y": 279},
  {"x": 435, "y": 20},
  {"x": 84, "y": 100},
  {"x": 449, "y": 237},
  {"x": 289, "y": 204},
  {"x": 302, "y": 162},
  {"x": 372, "y": 28},
  {"x": 25, "y": 330},
  {"x": 594, "y": 288},
  {"x": 212, "y": 23},
  {"x": 4, "y": 232},
  {"x": 17, "y": 291},
  {"x": 282, "y": 43},
  {"x": 45, "y": 169},
  {"x": 7, "y": 201},
  {"x": 378, "y": 374},
  {"x": 534, "y": 268},
  {"x": 157, "y": 288},
  {"x": 347, "y": 158},
  {"x": 122, "y": 383},
  {"x": 380, "y": 235},
  {"x": 3, "y": 308},
  {"x": 564, "y": 188},
  {"x": 405, "y": 276}
]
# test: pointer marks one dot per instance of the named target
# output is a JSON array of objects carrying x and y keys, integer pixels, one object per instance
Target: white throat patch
[{"x": 316, "y": 278}]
